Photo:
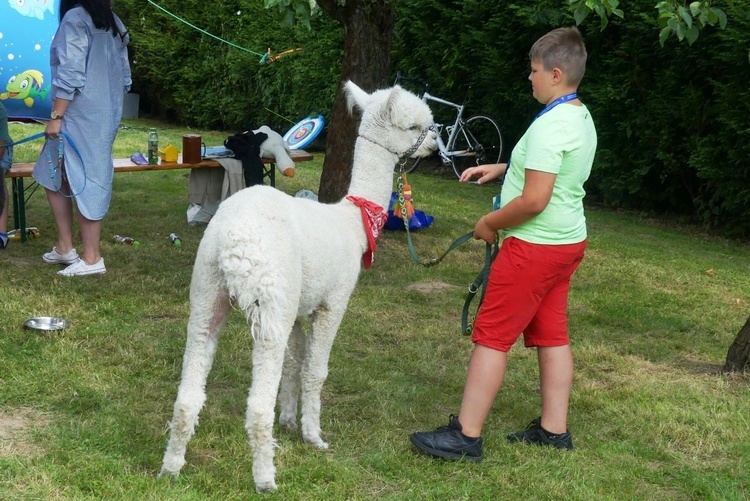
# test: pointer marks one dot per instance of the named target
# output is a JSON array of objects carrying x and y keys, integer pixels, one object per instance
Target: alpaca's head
[{"x": 393, "y": 118}]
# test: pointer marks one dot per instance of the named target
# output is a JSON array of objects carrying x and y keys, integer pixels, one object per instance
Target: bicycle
[{"x": 466, "y": 143}]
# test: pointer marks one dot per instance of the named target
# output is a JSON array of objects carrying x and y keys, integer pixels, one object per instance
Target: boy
[
  {"x": 541, "y": 213},
  {"x": 6, "y": 157}
]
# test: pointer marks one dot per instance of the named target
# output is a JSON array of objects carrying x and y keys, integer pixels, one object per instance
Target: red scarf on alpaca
[{"x": 373, "y": 219}]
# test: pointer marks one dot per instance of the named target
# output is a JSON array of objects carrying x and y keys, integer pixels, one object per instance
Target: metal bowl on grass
[{"x": 46, "y": 323}]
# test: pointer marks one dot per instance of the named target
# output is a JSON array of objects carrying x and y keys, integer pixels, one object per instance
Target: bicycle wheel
[{"x": 478, "y": 142}]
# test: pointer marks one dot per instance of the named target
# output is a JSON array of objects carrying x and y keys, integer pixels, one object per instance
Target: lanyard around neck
[{"x": 559, "y": 100}]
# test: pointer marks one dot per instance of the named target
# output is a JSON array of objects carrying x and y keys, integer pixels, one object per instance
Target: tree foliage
[
  {"x": 193, "y": 79},
  {"x": 673, "y": 120},
  {"x": 368, "y": 30},
  {"x": 675, "y": 17}
]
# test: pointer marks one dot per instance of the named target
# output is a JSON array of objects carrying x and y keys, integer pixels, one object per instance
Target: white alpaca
[{"x": 282, "y": 260}]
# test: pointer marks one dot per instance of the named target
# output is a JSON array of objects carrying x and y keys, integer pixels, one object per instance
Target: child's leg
[
  {"x": 555, "y": 381},
  {"x": 548, "y": 331},
  {"x": 4, "y": 206},
  {"x": 3, "y": 213},
  {"x": 486, "y": 373},
  {"x": 510, "y": 304}
]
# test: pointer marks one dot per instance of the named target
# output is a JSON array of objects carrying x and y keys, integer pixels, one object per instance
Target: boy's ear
[{"x": 557, "y": 75}]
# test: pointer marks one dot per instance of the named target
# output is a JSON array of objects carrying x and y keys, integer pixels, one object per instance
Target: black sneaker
[
  {"x": 535, "y": 434},
  {"x": 448, "y": 442}
]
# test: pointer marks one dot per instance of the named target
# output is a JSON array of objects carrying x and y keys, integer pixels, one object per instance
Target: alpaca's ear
[
  {"x": 355, "y": 96},
  {"x": 391, "y": 104}
]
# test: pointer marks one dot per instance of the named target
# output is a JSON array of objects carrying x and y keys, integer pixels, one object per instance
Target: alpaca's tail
[{"x": 255, "y": 283}]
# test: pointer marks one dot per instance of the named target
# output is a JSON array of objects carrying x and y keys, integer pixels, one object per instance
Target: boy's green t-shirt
[{"x": 562, "y": 142}]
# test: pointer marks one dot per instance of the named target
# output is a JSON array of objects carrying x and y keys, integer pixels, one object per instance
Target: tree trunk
[
  {"x": 368, "y": 34},
  {"x": 739, "y": 353}
]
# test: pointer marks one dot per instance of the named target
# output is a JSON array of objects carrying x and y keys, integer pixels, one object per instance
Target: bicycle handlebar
[{"x": 403, "y": 76}]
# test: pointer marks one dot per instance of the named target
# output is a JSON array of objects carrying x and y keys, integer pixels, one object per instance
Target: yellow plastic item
[
  {"x": 169, "y": 153},
  {"x": 31, "y": 232}
]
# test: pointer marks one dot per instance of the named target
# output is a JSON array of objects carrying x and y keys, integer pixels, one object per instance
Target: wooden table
[{"x": 20, "y": 171}]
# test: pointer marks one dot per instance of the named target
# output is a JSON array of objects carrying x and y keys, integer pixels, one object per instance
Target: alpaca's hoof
[
  {"x": 317, "y": 442},
  {"x": 168, "y": 475},
  {"x": 289, "y": 424},
  {"x": 261, "y": 487}
]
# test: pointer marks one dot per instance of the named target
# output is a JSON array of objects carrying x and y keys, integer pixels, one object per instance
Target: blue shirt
[{"x": 89, "y": 68}]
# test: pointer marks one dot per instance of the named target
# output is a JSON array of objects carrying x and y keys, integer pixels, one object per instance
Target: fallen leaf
[{"x": 710, "y": 272}]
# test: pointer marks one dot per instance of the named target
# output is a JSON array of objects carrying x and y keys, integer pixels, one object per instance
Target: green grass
[{"x": 83, "y": 412}]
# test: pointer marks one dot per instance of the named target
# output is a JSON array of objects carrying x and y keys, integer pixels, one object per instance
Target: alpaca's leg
[
  {"x": 210, "y": 307},
  {"x": 290, "y": 382},
  {"x": 268, "y": 358},
  {"x": 315, "y": 370}
]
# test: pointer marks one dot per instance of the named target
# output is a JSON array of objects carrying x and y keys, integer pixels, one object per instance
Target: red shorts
[{"x": 527, "y": 292}]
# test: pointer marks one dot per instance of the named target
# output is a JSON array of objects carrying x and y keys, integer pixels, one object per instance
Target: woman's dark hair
[{"x": 99, "y": 10}]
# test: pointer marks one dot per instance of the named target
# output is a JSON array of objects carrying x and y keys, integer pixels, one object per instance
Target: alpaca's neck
[{"x": 372, "y": 172}]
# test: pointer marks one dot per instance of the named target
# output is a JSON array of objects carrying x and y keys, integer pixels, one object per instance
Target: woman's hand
[
  {"x": 52, "y": 130},
  {"x": 485, "y": 173}
]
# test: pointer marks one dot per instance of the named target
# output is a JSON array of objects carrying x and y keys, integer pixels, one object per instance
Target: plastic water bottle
[
  {"x": 153, "y": 146},
  {"x": 125, "y": 240},
  {"x": 175, "y": 239}
]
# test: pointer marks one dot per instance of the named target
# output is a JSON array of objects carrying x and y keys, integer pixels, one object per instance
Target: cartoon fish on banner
[
  {"x": 32, "y": 8},
  {"x": 26, "y": 86}
]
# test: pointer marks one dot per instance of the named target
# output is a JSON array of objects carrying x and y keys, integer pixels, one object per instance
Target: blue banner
[{"x": 26, "y": 31}]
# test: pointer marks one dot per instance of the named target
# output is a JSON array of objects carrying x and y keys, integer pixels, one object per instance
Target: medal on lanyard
[{"x": 55, "y": 167}]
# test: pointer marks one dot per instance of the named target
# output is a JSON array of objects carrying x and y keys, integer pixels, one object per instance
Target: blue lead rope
[{"x": 60, "y": 155}]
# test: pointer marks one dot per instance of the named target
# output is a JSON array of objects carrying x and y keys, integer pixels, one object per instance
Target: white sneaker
[
  {"x": 80, "y": 268},
  {"x": 55, "y": 257}
]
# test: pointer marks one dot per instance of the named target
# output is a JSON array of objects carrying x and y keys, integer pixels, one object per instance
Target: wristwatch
[{"x": 55, "y": 116}]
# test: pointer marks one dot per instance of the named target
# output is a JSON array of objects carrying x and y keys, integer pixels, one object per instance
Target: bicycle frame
[
  {"x": 443, "y": 147},
  {"x": 478, "y": 136}
]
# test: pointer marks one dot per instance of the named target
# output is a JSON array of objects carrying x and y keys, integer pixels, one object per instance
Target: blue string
[
  {"x": 60, "y": 149},
  {"x": 25, "y": 140},
  {"x": 263, "y": 56}
]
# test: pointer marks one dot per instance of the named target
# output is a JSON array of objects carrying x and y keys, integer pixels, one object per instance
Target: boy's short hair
[{"x": 562, "y": 48}]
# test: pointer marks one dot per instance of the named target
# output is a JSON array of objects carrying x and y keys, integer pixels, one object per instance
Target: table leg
[{"x": 19, "y": 207}]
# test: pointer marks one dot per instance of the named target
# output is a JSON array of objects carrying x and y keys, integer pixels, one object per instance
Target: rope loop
[{"x": 55, "y": 166}]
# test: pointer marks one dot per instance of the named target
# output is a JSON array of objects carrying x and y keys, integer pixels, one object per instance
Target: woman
[{"x": 90, "y": 75}]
